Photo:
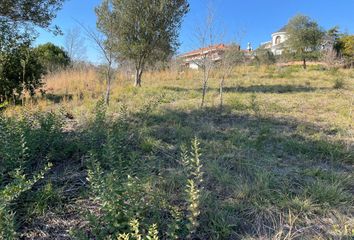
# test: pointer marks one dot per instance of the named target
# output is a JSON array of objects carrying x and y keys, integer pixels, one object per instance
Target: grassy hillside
[{"x": 276, "y": 162}]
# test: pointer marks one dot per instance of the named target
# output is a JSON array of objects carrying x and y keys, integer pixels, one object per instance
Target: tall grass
[{"x": 276, "y": 162}]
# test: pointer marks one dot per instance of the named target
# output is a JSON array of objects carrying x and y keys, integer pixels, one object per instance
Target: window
[{"x": 277, "y": 40}]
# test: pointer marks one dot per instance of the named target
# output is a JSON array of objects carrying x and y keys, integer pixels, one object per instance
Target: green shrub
[
  {"x": 339, "y": 83},
  {"x": 12, "y": 191}
]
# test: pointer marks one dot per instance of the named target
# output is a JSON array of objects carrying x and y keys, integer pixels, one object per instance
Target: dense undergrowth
[{"x": 275, "y": 163}]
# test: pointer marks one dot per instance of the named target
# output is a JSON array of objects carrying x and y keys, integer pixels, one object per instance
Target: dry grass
[{"x": 278, "y": 159}]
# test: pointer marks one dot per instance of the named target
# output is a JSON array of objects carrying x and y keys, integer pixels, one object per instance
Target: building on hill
[
  {"x": 278, "y": 43},
  {"x": 194, "y": 59}
]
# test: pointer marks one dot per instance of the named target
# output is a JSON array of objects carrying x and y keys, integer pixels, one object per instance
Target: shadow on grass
[
  {"x": 58, "y": 98},
  {"x": 257, "y": 169},
  {"x": 271, "y": 89},
  {"x": 255, "y": 88},
  {"x": 214, "y": 124}
]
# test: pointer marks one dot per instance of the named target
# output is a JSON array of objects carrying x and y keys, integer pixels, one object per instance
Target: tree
[
  {"x": 206, "y": 36},
  {"x": 145, "y": 31},
  {"x": 105, "y": 46},
  {"x": 335, "y": 34},
  {"x": 347, "y": 48},
  {"x": 232, "y": 57},
  {"x": 304, "y": 37},
  {"x": 36, "y": 12},
  {"x": 20, "y": 70},
  {"x": 52, "y": 57},
  {"x": 19, "y": 66},
  {"x": 75, "y": 44}
]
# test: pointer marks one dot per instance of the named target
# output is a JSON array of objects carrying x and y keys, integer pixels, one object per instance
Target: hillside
[{"x": 276, "y": 161}]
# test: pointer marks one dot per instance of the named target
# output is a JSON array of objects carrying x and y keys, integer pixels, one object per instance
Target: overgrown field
[{"x": 276, "y": 162}]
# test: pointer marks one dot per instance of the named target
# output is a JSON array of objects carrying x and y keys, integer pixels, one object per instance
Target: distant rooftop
[{"x": 204, "y": 50}]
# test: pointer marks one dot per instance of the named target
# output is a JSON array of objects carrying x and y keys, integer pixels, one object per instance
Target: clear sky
[{"x": 245, "y": 21}]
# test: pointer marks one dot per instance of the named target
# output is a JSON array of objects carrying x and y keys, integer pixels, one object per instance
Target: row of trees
[{"x": 135, "y": 31}]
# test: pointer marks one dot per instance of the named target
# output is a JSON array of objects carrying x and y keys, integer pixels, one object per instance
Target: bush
[
  {"x": 23, "y": 153},
  {"x": 52, "y": 57},
  {"x": 264, "y": 56},
  {"x": 338, "y": 83}
]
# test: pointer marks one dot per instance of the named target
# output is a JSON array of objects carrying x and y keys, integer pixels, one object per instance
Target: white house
[{"x": 276, "y": 45}]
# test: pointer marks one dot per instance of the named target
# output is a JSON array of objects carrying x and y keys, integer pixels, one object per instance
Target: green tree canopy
[
  {"x": 141, "y": 31},
  {"x": 37, "y": 12},
  {"x": 304, "y": 37},
  {"x": 52, "y": 57},
  {"x": 347, "y": 47}
]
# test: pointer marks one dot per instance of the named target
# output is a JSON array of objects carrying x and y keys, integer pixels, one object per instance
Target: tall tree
[
  {"x": 75, "y": 44},
  {"x": 304, "y": 37},
  {"x": 105, "y": 46},
  {"x": 145, "y": 31}
]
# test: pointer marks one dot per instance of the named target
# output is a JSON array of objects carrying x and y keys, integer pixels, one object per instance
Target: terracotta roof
[{"x": 204, "y": 50}]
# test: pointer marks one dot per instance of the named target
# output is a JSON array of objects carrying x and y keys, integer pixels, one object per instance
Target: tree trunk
[
  {"x": 304, "y": 64},
  {"x": 205, "y": 84},
  {"x": 221, "y": 91},
  {"x": 138, "y": 75},
  {"x": 109, "y": 80}
]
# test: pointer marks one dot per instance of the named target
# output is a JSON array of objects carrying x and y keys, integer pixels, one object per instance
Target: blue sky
[{"x": 246, "y": 21}]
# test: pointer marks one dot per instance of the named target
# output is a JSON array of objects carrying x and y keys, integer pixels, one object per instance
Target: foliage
[
  {"x": 304, "y": 37},
  {"x": 264, "y": 56},
  {"x": 11, "y": 192},
  {"x": 14, "y": 156},
  {"x": 143, "y": 31},
  {"x": 52, "y": 57},
  {"x": 37, "y": 12},
  {"x": 135, "y": 234},
  {"x": 347, "y": 47},
  {"x": 20, "y": 69},
  {"x": 193, "y": 167},
  {"x": 339, "y": 83},
  {"x": 23, "y": 153}
]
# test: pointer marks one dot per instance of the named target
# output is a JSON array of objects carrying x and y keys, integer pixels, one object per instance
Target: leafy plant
[{"x": 193, "y": 167}]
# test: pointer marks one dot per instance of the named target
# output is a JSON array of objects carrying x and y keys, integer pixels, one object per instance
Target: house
[
  {"x": 214, "y": 53},
  {"x": 277, "y": 44},
  {"x": 193, "y": 59}
]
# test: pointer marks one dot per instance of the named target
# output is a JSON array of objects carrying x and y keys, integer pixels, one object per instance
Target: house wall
[
  {"x": 278, "y": 48},
  {"x": 193, "y": 66},
  {"x": 282, "y": 36}
]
